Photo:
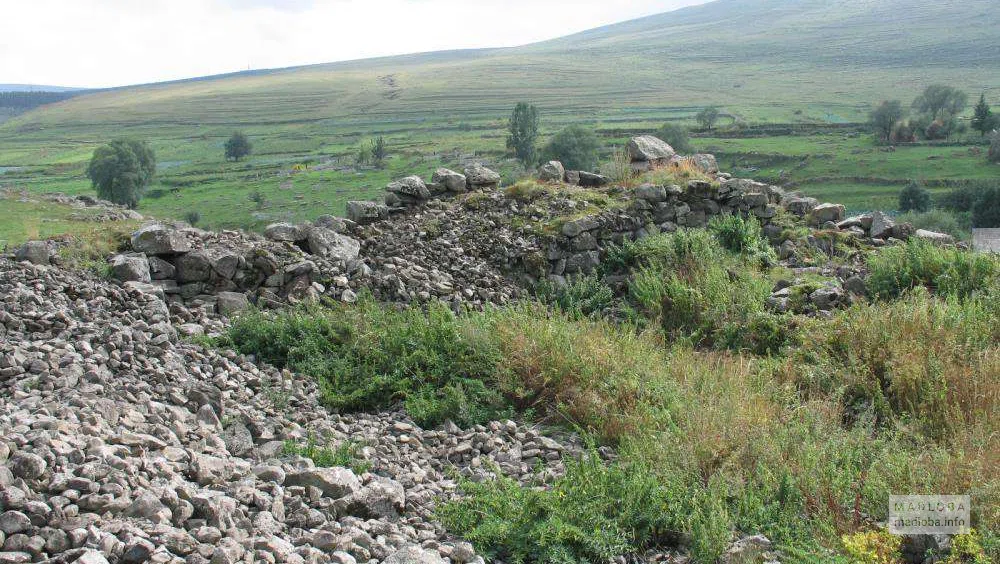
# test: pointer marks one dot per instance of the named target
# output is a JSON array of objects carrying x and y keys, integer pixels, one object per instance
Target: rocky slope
[{"x": 122, "y": 442}]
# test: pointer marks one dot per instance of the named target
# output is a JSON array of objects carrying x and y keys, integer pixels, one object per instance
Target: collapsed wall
[{"x": 423, "y": 241}]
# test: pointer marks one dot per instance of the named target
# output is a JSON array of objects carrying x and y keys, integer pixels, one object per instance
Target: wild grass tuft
[{"x": 946, "y": 271}]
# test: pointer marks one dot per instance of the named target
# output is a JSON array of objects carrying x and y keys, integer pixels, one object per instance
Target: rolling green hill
[{"x": 807, "y": 61}]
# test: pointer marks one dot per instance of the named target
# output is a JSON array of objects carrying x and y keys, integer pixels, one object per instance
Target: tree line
[
  {"x": 31, "y": 100},
  {"x": 933, "y": 115}
]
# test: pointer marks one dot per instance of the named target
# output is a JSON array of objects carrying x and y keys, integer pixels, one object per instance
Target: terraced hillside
[{"x": 762, "y": 60}]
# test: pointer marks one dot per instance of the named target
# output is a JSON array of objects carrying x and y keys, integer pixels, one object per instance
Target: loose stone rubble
[{"x": 121, "y": 442}]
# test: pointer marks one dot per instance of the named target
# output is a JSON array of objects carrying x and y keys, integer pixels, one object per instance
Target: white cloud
[{"x": 115, "y": 42}]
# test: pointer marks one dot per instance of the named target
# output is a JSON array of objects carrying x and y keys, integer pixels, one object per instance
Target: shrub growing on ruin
[
  {"x": 946, "y": 271},
  {"x": 121, "y": 170}
]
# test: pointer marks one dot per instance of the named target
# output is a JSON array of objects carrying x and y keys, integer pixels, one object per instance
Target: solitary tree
[
  {"x": 121, "y": 170},
  {"x": 238, "y": 146},
  {"x": 707, "y": 117},
  {"x": 523, "y": 127},
  {"x": 575, "y": 147},
  {"x": 939, "y": 101},
  {"x": 885, "y": 117},
  {"x": 379, "y": 150},
  {"x": 677, "y": 137},
  {"x": 914, "y": 198},
  {"x": 982, "y": 118}
]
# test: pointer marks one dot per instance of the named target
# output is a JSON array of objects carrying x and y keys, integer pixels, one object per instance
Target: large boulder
[
  {"x": 159, "y": 239},
  {"x": 647, "y": 148},
  {"x": 478, "y": 176},
  {"x": 552, "y": 171},
  {"x": 414, "y": 555},
  {"x": 934, "y": 237},
  {"x": 824, "y": 213},
  {"x": 800, "y": 206},
  {"x": 382, "y": 498},
  {"x": 882, "y": 226},
  {"x": 335, "y": 483},
  {"x": 364, "y": 213},
  {"x": 332, "y": 223},
  {"x": 411, "y": 189},
  {"x": 131, "y": 267},
  {"x": 330, "y": 244},
  {"x": 591, "y": 180},
  {"x": 652, "y": 193},
  {"x": 705, "y": 162},
  {"x": 195, "y": 266},
  {"x": 451, "y": 180},
  {"x": 229, "y": 303},
  {"x": 285, "y": 232},
  {"x": 35, "y": 252}
]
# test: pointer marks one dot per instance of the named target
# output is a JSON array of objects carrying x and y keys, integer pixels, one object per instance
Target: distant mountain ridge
[
  {"x": 36, "y": 88},
  {"x": 765, "y": 58}
]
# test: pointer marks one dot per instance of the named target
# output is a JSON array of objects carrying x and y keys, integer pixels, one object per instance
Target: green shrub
[
  {"x": 923, "y": 360},
  {"x": 873, "y": 547},
  {"x": 946, "y": 271},
  {"x": 594, "y": 513},
  {"x": 583, "y": 296},
  {"x": 575, "y": 147},
  {"x": 192, "y": 217},
  {"x": 345, "y": 455},
  {"x": 914, "y": 198},
  {"x": 677, "y": 136},
  {"x": 956, "y": 224},
  {"x": 744, "y": 236},
  {"x": 986, "y": 210},
  {"x": 369, "y": 356},
  {"x": 683, "y": 250}
]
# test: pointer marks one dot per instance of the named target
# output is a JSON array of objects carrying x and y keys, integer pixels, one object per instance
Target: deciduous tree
[
  {"x": 523, "y": 128},
  {"x": 121, "y": 170}
]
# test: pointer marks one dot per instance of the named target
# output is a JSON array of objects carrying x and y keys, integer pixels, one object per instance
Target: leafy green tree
[
  {"x": 575, "y": 147},
  {"x": 379, "y": 151},
  {"x": 121, "y": 170},
  {"x": 982, "y": 118},
  {"x": 914, "y": 198},
  {"x": 708, "y": 117},
  {"x": 885, "y": 117},
  {"x": 941, "y": 102},
  {"x": 676, "y": 136},
  {"x": 523, "y": 127},
  {"x": 238, "y": 146}
]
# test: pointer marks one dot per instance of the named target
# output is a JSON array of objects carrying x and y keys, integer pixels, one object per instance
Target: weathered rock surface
[
  {"x": 451, "y": 180},
  {"x": 478, "y": 177},
  {"x": 647, "y": 148},
  {"x": 552, "y": 171}
]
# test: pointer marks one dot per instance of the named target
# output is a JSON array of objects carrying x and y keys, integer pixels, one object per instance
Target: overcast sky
[{"x": 98, "y": 43}]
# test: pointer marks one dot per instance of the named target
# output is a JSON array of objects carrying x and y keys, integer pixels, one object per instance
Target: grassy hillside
[{"x": 762, "y": 60}]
